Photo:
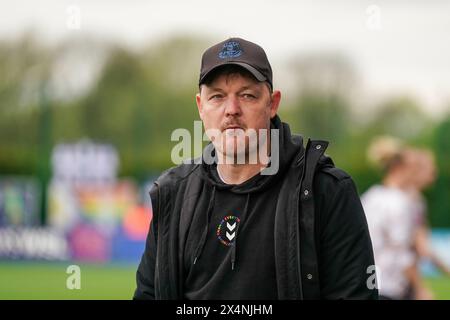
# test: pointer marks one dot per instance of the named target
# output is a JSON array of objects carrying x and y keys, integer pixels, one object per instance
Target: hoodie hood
[{"x": 290, "y": 146}]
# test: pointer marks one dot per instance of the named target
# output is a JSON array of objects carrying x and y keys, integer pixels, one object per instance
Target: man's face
[{"x": 233, "y": 105}]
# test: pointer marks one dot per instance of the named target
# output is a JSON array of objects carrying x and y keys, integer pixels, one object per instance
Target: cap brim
[{"x": 258, "y": 75}]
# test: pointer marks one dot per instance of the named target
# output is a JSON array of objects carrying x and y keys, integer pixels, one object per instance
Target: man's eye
[
  {"x": 248, "y": 96},
  {"x": 215, "y": 97}
]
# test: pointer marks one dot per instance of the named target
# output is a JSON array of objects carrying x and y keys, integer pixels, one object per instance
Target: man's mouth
[
  {"x": 234, "y": 131},
  {"x": 232, "y": 126}
]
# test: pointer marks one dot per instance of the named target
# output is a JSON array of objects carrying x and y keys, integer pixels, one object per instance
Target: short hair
[{"x": 227, "y": 70}]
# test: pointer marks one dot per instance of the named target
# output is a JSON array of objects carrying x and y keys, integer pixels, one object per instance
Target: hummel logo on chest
[
  {"x": 227, "y": 229},
  {"x": 231, "y": 227}
]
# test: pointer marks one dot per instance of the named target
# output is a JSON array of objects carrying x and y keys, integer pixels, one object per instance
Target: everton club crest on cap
[
  {"x": 231, "y": 49},
  {"x": 237, "y": 51}
]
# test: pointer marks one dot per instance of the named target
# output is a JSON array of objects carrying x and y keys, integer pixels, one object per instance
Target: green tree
[{"x": 439, "y": 195}]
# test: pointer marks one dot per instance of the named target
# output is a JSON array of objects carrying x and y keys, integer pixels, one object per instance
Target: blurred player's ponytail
[{"x": 385, "y": 152}]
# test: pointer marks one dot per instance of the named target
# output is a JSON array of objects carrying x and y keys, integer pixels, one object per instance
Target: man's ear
[
  {"x": 198, "y": 100},
  {"x": 276, "y": 98}
]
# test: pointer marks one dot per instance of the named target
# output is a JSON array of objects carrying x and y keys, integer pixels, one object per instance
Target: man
[{"x": 283, "y": 223}]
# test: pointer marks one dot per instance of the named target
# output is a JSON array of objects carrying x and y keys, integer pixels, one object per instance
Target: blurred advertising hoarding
[
  {"x": 102, "y": 223},
  {"x": 440, "y": 244},
  {"x": 21, "y": 235},
  {"x": 100, "y": 214},
  {"x": 19, "y": 201},
  {"x": 33, "y": 243},
  {"x": 92, "y": 215}
]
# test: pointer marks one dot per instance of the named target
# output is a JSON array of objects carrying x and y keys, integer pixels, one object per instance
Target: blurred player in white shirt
[{"x": 389, "y": 209}]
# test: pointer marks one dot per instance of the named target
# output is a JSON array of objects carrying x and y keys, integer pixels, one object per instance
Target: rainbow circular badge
[{"x": 227, "y": 230}]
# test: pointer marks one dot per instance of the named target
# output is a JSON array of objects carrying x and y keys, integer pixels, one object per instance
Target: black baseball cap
[{"x": 240, "y": 52}]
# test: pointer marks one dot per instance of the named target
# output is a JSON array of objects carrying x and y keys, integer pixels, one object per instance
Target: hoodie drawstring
[
  {"x": 201, "y": 244},
  {"x": 233, "y": 247}
]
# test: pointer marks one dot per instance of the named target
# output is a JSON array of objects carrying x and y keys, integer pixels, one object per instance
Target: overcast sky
[{"x": 396, "y": 46}]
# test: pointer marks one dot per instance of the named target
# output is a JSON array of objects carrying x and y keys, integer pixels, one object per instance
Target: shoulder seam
[
  {"x": 172, "y": 171},
  {"x": 337, "y": 173}
]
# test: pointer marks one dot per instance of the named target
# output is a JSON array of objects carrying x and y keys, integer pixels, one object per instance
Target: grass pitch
[{"x": 45, "y": 281}]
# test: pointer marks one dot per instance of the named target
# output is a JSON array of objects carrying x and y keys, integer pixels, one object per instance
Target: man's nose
[{"x": 232, "y": 107}]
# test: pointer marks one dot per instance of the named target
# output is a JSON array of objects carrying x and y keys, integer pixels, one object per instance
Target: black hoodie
[
  {"x": 321, "y": 244},
  {"x": 229, "y": 251}
]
